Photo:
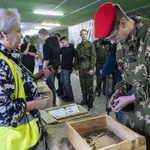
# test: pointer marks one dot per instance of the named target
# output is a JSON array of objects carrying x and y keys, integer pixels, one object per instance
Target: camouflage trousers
[
  {"x": 98, "y": 68},
  {"x": 139, "y": 120},
  {"x": 86, "y": 82}
]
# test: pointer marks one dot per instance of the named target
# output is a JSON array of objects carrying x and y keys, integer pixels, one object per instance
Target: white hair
[{"x": 8, "y": 19}]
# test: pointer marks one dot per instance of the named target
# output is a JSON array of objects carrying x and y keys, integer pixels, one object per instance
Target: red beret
[{"x": 104, "y": 20}]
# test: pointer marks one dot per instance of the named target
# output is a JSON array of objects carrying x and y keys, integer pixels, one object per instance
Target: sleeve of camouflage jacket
[
  {"x": 142, "y": 87},
  {"x": 93, "y": 57}
]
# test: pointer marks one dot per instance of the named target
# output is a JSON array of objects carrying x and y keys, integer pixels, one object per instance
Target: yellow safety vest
[{"x": 25, "y": 135}]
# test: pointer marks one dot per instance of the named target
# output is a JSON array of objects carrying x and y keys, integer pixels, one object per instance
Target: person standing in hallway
[
  {"x": 132, "y": 36},
  {"x": 51, "y": 57},
  {"x": 101, "y": 48},
  {"x": 59, "y": 91},
  {"x": 29, "y": 53},
  {"x": 40, "y": 56},
  {"x": 85, "y": 62},
  {"x": 67, "y": 55},
  {"x": 111, "y": 67}
]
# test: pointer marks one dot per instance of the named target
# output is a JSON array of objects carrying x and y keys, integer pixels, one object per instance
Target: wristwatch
[{"x": 136, "y": 96}]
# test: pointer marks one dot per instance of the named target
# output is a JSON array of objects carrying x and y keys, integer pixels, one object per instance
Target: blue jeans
[
  {"x": 120, "y": 117},
  {"x": 40, "y": 67},
  {"x": 66, "y": 83}
]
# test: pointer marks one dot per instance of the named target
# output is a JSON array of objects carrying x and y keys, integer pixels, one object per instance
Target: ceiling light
[
  {"x": 51, "y": 24},
  {"x": 48, "y": 13},
  {"x": 34, "y": 31},
  {"x": 40, "y": 27},
  {"x": 27, "y": 33},
  {"x": 30, "y": 32}
]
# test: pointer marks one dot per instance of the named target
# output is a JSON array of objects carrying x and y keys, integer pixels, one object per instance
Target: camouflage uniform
[
  {"x": 134, "y": 64},
  {"x": 85, "y": 61},
  {"x": 101, "y": 55}
]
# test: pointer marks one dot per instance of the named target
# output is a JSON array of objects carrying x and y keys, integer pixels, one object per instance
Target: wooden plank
[
  {"x": 76, "y": 140},
  {"x": 46, "y": 118},
  {"x": 74, "y": 117},
  {"x": 125, "y": 133},
  {"x": 89, "y": 124}
]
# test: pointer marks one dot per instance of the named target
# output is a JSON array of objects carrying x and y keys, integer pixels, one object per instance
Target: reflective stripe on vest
[{"x": 25, "y": 135}]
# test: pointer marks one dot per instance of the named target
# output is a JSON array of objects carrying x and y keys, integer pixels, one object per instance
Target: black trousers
[
  {"x": 30, "y": 68},
  {"x": 50, "y": 81}
]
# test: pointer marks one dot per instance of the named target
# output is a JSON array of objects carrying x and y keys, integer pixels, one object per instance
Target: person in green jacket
[
  {"x": 85, "y": 62},
  {"x": 101, "y": 48},
  {"x": 132, "y": 36}
]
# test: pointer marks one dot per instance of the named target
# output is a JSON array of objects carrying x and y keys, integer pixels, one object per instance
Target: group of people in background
[{"x": 57, "y": 53}]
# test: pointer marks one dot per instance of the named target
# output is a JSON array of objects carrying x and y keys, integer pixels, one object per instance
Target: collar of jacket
[
  {"x": 5, "y": 51},
  {"x": 141, "y": 25},
  {"x": 85, "y": 42}
]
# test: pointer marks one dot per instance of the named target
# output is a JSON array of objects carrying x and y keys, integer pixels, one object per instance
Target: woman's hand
[{"x": 38, "y": 103}]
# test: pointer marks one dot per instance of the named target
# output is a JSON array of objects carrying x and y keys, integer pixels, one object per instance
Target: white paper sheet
[{"x": 61, "y": 112}]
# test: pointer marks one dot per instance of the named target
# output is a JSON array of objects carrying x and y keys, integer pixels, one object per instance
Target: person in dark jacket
[
  {"x": 51, "y": 57},
  {"x": 59, "y": 91},
  {"x": 109, "y": 67},
  {"x": 67, "y": 55},
  {"x": 29, "y": 53}
]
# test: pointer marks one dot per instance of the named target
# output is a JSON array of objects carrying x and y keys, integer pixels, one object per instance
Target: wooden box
[{"x": 129, "y": 140}]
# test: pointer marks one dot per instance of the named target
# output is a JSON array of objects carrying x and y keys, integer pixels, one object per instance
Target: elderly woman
[{"x": 20, "y": 128}]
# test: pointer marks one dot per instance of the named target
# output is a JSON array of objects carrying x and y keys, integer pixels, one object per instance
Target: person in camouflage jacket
[
  {"x": 101, "y": 49},
  {"x": 85, "y": 62},
  {"x": 133, "y": 56}
]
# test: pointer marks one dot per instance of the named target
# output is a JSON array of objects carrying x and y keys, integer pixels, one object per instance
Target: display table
[{"x": 55, "y": 128}]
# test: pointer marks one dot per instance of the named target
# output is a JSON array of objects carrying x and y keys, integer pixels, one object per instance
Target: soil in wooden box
[{"x": 100, "y": 138}]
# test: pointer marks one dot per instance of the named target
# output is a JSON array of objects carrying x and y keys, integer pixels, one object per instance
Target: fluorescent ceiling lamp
[
  {"x": 30, "y": 32},
  {"x": 48, "y": 13},
  {"x": 34, "y": 31},
  {"x": 51, "y": 24},
  {"x": 27, "y": 33},
  {"x": 40, "y": 27}
]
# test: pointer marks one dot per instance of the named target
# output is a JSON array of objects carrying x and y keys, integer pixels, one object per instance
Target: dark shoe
[
  {"x": 98, "y": 94},
  {"x": 58, "y": 90},
  {"x": 90, "y": 102},
  {"x": 60, "y": 93},
  {"x": 83, "y": 102},
  {"x": 64, "y": 97}
]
